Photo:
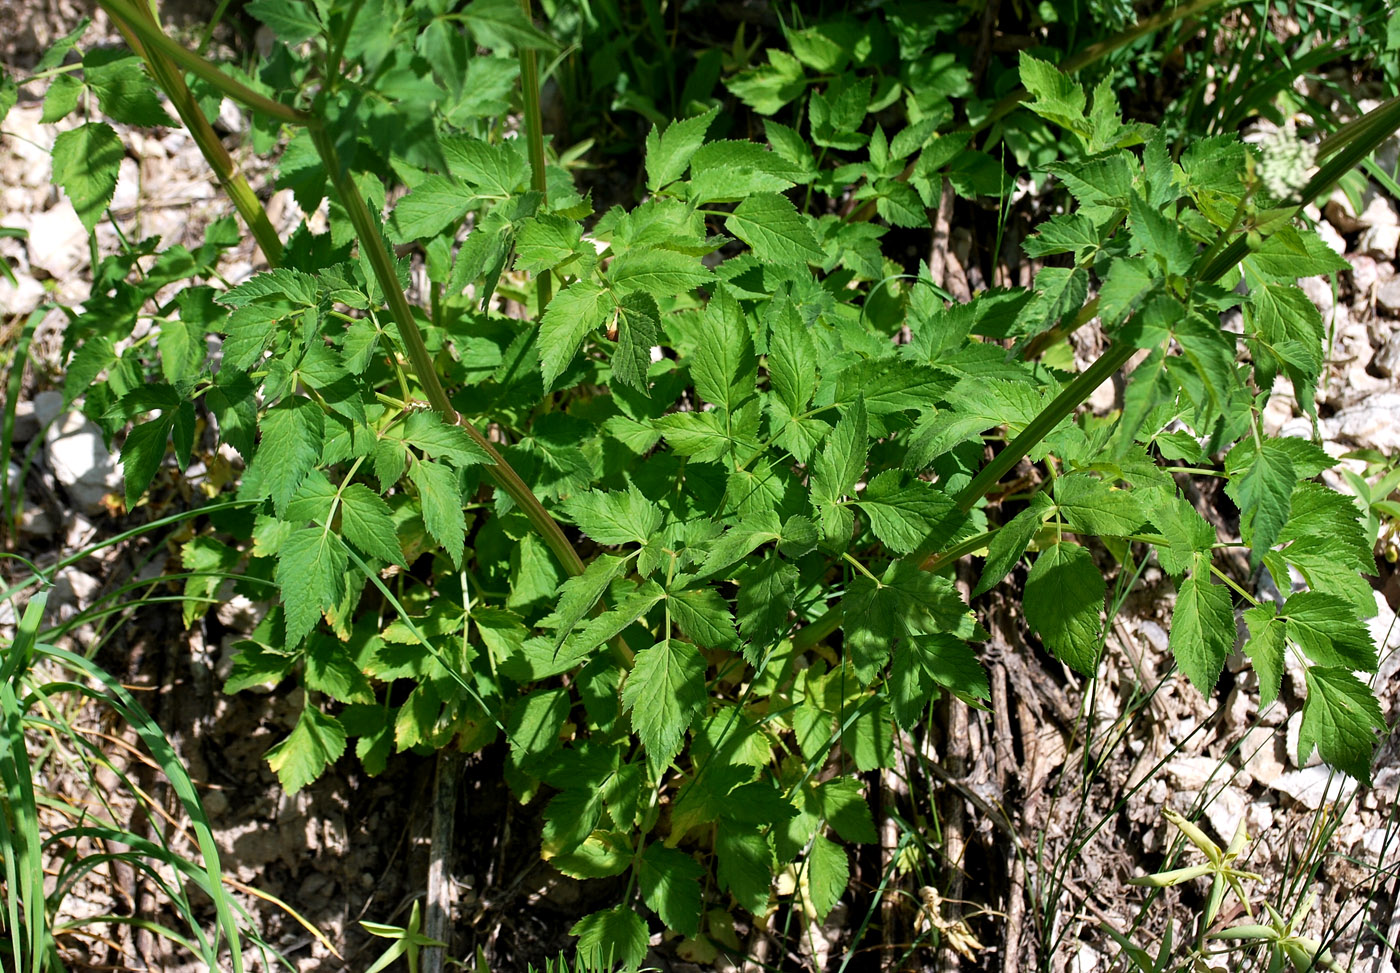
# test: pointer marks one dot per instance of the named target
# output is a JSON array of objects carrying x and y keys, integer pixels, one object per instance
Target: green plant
[
  {"x": 755, "y": 430},
  {"x": 52, "y": 844}
]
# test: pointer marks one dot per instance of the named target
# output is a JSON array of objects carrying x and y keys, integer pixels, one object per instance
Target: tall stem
[
  {"x": 372, "y": 242},
  {"x": 534, "y": 137},
  {"x": 163, "y": 54},
  {"x": 168, "y": 76}
]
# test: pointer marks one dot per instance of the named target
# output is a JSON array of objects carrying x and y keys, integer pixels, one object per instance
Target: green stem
[
  {"x": 151, "y": 34},
  {"x": 1065, "y": 403},
  {"x": 165, "y": 73},
  {"x": 372, "y": 242},
  {"x": 534, "y": 137}
]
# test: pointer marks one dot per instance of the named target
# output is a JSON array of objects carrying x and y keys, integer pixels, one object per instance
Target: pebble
[
  {"x": 1314, "y": 786},
  {"x": 58, "y": 241},
  {"x": 1388, "y": 295},
  {"x": 26, "y": 423},
  {"x": 1372, "y": 423},
  {"x": 80, "y": 461},
  {"x": 1382, "y": 233}
]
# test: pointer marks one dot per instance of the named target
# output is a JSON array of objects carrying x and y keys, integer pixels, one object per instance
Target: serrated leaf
[
  {"x": 578, "y": 594},
  {"x": 1186, "y": 531},
  {"x": 1203, "y": 627},
  {"x": 1340, "y": 718},
  {"x": 842, "y": 460},
  {"x": 1063, "y": 601},
  {"x": 427, "y": 431},
  {"x": 668, "y": 153},
  {"x": 367, "y": 522},
  {"x": 1056, "y": 96},
  {"x": 774, "y": 230},
  {"x": 1262, "y": 490},
  {"x": 331, "y": 670},
  {"x": 765, "y": 598},
  {"x": 952, "y": 664},
  {"x": 828, "y": 874},
  {"x": 442, "y": 506},
  {"x": 664, "y": 273},
  {"x": 62, "y": 97},
  {"x": 293, "y": 21},
  {"x": 1265, "y": 647},
  {"x": 316, "y": 742},
  {"x": 1327, "y": 630},
  {"x": 906, "y": 512},
  {"x": 792, "y": 359},
  {"x": 670, "y": 884},
  {"x": 257, "y": 665},
  {"x": 311, "y": 569},
  {"x": 500, "y": 24},
  {"x": 86, "y": 161},
  {"x": 615, "y": 517},
  {"x": 1010, "y": 542},
  {"x": 638, "y": 330},
  {"x": 431, "y": 207},
  {"x": 569, "y": 818},
  {"x": 1091, "y": 506},
  {"x": 1065, "y": 233},
  {"x": 125, "y": 93},
  {"x": 704, "y": 616},
  {"x": 664, "y": 692},
  {"x": 575, "y": 311},
  {"x": 288, "y": 450},
  {"x": 844, "y": 807},
  {"x": 745, "y": 866},
  {"x": 723, "y": 367}
]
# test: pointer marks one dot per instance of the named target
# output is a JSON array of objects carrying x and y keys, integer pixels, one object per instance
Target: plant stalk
[
  {"x": 165, "y": 73},
  {"x": 151, "y": 35},
  {"x": 534, "y": 138},
  {"x": 367, "y": 230}
]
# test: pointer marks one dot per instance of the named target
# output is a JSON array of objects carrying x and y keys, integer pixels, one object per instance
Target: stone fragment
[
  {"x": 1262, "y": 750},
  {"x": 1372, "y": 423},
  {"x": 1314, "y": 786},
  {"x": 21, "y": 297},
  {"x": 81, "y": 462},
  {"x": 1388, "y": 295},
  {"x": 1382, "y": 233},
  {"x": 26, "y": 423},
  {"x": 58, "y": 241}
]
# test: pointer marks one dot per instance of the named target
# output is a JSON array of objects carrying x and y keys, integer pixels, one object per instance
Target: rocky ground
[{"x": 351, "y": 847}]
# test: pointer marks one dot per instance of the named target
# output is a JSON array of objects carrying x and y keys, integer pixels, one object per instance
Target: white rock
[
  {"x": 22, "y": 296},
  {"x": 1224, "y": 810},
  {"x": 1388, "y": 295},
  {"x": 1386, "y": 360},
  {"x": 1313, "y": 787},
  {"x": 1295, "y": 723},
  {"x": 1365, "y": 274},
  {"x": 1262, "y": 750},
  {"x": 74, "y": 588},
  {"x": 1382, "y": 233},
  {"x": 80, "y": 461},
  {"x": 1332, "y": 238},
  {"x": 1372, "y": 423},
  {"x": 1086, "y": 960},
  {"x": 1342, "y": 214},
  {"x": 1192, "y": 773},
  {"x": 58, "y": 241},
  {"x": 128, "y": 192}
]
